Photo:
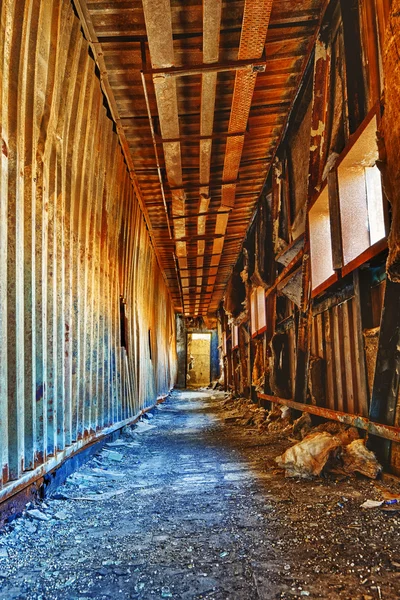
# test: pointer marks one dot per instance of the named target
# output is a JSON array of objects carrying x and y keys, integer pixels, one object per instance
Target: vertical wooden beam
[
  {"x": 330, "y": 361},
  {"x": 382, "y": 9},
  {"x": 387, "y": 369},
  {"x": 334, "y": 220},
  {"x": 322, "y": 69},
  {"x": 359, "y": 352},
  {"x": 371, "y": 51},
  {"x": 339, "y": 357},
  {"x": 390, "y": 130},
  {"x": 354, "y": 67},
  {"x": 348, "y": 339}
]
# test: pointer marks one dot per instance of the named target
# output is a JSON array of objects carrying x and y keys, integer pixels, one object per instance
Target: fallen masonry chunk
[
  {"x": 3, "y": 552},
  {"x": 340, "y": 454},
  {"x": 308, "y": 457},
  {"x": 372, "y": 504},
  {"x": 30, "y": 527},
  {"x": 357, "y": 458},
  {"x": 112, "y": 455},
  {"x": 116, "y": 443},
  {"x": 343, "y": 432},
  {"x": 97, "y": 472},
  {"x": 100, "y": 497},
  {"x": 60, "y": 515},
  {"x": 302, "y": 426},
  {"x": 37, "y": 515},
  {"x": 143, "y": 427}
]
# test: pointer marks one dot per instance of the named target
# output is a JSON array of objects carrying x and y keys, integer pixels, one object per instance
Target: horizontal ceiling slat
[{"x": 188, "y": 33}]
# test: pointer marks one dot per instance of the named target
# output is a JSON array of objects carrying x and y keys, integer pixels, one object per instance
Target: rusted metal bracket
[
  {"x": 196, "y": 185},
  {"x": 198, "y": 138},
  {"x": 384, "y": 431},
  {"x": 253, "y": 65},
  {"x": 202, "y": 214},
  {"x": 54, "y": 462}
]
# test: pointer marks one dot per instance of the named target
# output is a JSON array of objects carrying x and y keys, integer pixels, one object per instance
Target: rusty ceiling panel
[{"x": 221, "y": 78}]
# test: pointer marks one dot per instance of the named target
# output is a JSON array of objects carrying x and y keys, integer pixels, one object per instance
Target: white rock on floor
[{"x": 37, "y": 515}]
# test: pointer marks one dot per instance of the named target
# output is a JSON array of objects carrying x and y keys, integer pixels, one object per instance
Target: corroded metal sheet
[{"x": 76, "y": 254}]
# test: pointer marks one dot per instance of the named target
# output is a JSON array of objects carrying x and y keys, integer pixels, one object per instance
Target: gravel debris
[{"x": 205, "y": 513}]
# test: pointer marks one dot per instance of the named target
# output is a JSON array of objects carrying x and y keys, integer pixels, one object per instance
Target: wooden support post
[
  {"x": 361, "y": 367},
  {"x": 387, "y": 370},
  {"x": 336, "y": 227},
  {"x": 354, "y": 66},
  {"x": 322, "y": 71}
]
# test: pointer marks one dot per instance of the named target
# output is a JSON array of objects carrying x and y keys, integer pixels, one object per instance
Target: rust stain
[
  {"x": 40, "y": 390},
  {"x": 5, "y": 474}
]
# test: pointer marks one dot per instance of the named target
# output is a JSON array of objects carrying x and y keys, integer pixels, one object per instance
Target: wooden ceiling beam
[
  {"x": 158, "y": 20},
  {"x": 252, "y": 44}
]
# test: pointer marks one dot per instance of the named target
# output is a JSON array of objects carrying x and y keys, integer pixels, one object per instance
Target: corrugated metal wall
[
  {"x": 335, "y": 337},
  {"x": 72, "y": 242}
]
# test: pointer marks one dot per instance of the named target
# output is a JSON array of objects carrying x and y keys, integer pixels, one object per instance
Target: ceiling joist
[{"x": 200, "y": 93}]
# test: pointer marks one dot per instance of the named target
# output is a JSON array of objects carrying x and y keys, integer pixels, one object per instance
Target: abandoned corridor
[{"x": 198, "y": 512}]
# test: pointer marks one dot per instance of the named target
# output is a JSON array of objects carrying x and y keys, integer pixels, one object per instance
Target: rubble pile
[
  {"x": 198, "y": 509},
  {"x": 329, "y": 448},
  {"x": 322, "y": 452},
  {"x": 242, "y": 411}
]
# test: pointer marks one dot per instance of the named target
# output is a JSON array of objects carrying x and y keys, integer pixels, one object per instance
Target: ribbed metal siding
[{"x": 72, "y": 241}]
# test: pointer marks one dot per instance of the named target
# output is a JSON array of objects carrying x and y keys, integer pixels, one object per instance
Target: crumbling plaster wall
[
  {"x": 391, "y": 133},
  {"x": 73, "y": 240},
  {"x": 300, "y": 154}
]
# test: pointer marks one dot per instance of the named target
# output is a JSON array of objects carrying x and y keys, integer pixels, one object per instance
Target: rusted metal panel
[
  {"x": 14, "y": 199},
  {"x": 337, "y": 332},
  {"x": 73, "y": 240},
  {"x": 3, "y": 271}
]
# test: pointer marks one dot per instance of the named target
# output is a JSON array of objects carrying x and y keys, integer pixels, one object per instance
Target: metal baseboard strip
[
  {"x": 387, "y": 432},
  {"x": 53, "y": 463}
]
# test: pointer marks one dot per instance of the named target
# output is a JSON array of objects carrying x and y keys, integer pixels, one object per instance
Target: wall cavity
[{"x": 87, "y": 329}]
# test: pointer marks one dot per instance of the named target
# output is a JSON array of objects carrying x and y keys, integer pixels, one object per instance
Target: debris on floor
[
  {"x": 358, "y": 459},
  {"x": 243, "y": 411},
  {"x": 302, "y": 426},
  {"x": 339, "y": 454},
  {"x": 203, "y": 513},
  {"x": 308, "y": 457},
  {"x": 329, "y": 447},
  {"x": 372, "y": 503}
]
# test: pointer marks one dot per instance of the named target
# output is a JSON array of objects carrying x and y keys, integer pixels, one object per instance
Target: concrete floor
[{"x": 188, "y": 507}]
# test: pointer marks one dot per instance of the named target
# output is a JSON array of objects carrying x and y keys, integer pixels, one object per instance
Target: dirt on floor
[{"x": 191, "y": 504}]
